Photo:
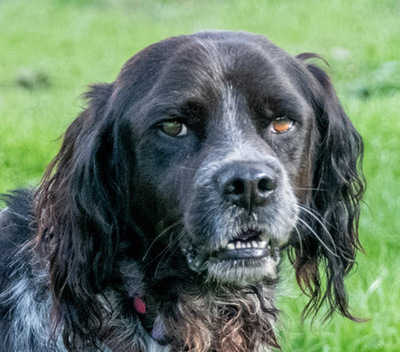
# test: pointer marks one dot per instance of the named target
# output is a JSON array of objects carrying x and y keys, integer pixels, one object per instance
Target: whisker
[
  {"x": 314, "y": 216},
  {"x": 308, "y": 189},
  {"x": 300, "y": 239},
  {"x": 185, "y": 167},
  {"x": 7, "y": 209},
  {"x": 165, "y": 251},
  {"x": 160, "y": 254},
  {"x": 171, "y": 244},
  {"x": 3, "y": 210},
  {"x": 303, "y": 222},
  {"x": 161, "y": 234}
]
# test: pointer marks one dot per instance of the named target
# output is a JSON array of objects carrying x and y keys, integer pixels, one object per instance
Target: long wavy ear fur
[
  {"x": 329, "y": 240},
  {"x": 77, "y": 205}
]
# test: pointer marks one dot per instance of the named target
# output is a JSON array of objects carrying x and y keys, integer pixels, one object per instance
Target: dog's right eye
[{"x": 173, "y": 128}]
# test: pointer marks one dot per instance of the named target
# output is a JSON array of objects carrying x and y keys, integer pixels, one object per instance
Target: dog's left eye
[
  {"x": 173, "y": 128},
  {"x": 281, "y": 125}
]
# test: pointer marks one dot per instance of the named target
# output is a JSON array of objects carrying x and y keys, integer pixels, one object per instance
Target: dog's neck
[
  {"x": 185, "y": 310},
  {"x": 212, "y": 317}
]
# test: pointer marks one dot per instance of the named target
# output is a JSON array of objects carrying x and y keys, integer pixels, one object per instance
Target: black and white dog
[{"x": 160, "y": 224}]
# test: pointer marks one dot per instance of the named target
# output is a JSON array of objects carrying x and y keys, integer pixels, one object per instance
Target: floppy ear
[
  {"x": 329, "y": 224},
  {"x": 81, "y": 215}
]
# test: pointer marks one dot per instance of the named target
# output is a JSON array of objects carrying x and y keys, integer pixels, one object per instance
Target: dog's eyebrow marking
[
  {"x": 210, "y": 49},
  {"x": 229, "y": 102},
  {"x": 230, "y": 114}
]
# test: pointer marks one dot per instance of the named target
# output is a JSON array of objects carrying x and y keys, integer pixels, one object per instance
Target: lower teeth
[{"x": 246, "y": 245}]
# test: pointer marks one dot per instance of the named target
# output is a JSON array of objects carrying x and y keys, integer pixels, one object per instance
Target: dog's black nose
[{"x": 247, "y": 186}]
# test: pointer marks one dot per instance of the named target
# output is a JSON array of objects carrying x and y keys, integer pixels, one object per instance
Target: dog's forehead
[
  {"x": 204, "y": 61},
  {"x": 211, "y": 62},
  {"x": 212, "y": 69}
]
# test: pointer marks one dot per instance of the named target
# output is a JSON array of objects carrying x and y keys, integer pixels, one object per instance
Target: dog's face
[
  {"x": 208, "y": 155},
  {"x": 222, "y": 144}
]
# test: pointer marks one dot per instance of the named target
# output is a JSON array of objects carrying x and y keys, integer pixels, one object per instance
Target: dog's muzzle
[{"x": 239, "y": 242}]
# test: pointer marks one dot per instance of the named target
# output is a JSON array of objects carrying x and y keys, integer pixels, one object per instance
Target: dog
[{"x": 161, "y": 223}]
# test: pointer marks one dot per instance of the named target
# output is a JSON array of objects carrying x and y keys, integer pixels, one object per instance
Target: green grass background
[{"x": 50, "y": 50}]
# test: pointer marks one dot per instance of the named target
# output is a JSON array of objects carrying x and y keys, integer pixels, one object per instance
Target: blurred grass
[{"x": 51, "y": 50}]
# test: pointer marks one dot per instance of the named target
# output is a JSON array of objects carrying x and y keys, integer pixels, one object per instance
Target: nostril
[
  {"x": 266, "y": 184},
  {"x": 235, "y": 187}
]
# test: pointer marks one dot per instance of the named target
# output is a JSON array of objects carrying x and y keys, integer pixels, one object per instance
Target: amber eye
[
  {"x": 281, "y": 125},
  {"x": 173, "y": 128}
]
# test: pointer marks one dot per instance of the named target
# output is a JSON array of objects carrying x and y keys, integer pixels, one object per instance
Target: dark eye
[
  {"x": 173, "y": 128},
  {"x": 281, "y": 125}
]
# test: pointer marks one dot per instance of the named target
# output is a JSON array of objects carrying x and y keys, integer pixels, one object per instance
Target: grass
[{"x": 51, "y": 50}]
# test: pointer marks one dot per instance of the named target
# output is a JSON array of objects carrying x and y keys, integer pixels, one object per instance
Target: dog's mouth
[
  {"x": 247, "y": 245},
  {"x": 251, "y": 255}
]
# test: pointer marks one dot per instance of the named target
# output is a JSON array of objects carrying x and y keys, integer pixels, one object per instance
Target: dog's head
[{"x": 219, "y": 148}]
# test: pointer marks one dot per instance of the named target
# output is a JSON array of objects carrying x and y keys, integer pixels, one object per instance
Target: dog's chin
[
  {"x": 243, "y": 271},
  {"x": 239, "y": 262}
]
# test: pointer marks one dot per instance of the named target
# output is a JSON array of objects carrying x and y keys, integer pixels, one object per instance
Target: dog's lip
[{"x": 249, "y": 243}]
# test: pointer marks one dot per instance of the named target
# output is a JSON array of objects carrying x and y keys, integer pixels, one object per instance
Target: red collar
[{"x": 139, "y": 305}]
